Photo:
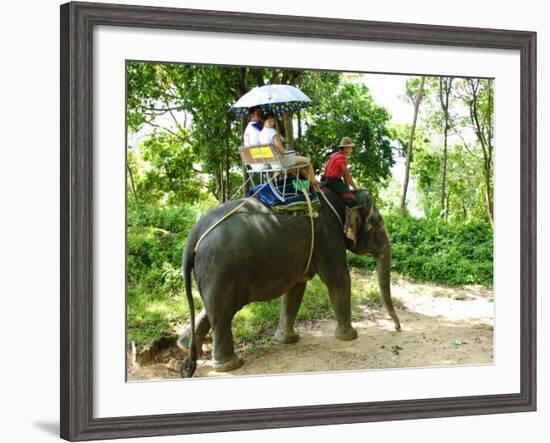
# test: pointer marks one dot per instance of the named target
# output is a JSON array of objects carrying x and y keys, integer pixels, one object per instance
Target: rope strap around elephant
[
  {"x": 310, "y": 209},
  {"x": 238, "y": 191},
  {"x": 311, "y": 216},
  {"x": 332, "y": 207},
  {"x": 228, "y": 215}
]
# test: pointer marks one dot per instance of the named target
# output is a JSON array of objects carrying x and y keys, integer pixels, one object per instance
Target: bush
[
  {"x": 438, "y": 251},
  {"x": 155, "y": 243},
  {"x": 179, "y": 219}
]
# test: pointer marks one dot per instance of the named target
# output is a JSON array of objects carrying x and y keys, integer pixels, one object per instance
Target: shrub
[
  {"x": 178, "y": 219},
  {"x": 155, "y": 243},
  {"x": 438, "y": 251}
]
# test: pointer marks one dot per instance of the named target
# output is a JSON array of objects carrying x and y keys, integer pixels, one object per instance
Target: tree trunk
[
  {"x": 445, "y": 84},
  {"x": 220, "y": 183},
  {"x": 410, "y": 145},
  {"x": 132, "y": 184},
  {"x": 246, "y": 184},
  {"x": 443, "y": 177},
  {"x": 289, "y": 130},
  {"x": 227, "y": 176},
  {"x": 483, "y": 130},
  {"x": 488, "y": 196}
]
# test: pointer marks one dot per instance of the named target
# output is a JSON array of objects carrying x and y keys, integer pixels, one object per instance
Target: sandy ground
[{"x": 440, "y": 326}]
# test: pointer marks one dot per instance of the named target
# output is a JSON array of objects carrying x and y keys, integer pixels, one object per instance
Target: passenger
[
  {"x": 254, "y": 127},
  {"x": 269, "y": 135},
  {"x": 337, "y": 176}
]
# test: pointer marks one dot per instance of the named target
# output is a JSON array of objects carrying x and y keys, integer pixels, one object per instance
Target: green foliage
[
  {"x": 146, "y": 86},
  {"x": 350, "y": 110},
  {"x": 464, "y": 182},
  {"x": 163, "y": 174},
  {"x": 435, "y": 91},
  {"x": 151, "y": 315},
  {"x": 438, "y": 251},
  {"x": 197, "y": 98},
  {"x": 155, "y": 242},
  {"x": 180, "y": 219},
  {"x": 412, "y": 89}
]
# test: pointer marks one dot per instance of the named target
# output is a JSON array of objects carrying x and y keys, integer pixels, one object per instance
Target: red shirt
[{"x": 335, "y": 165}]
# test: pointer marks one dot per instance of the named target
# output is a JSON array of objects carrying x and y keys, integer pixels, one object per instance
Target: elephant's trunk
[{"x": 383, "y": 268}]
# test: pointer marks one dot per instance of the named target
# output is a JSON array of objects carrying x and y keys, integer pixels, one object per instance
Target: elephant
[{"x": 256, "y": 254}]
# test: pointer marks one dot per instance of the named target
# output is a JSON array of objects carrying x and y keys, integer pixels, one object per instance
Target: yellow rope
[
  {"x": 332, "y": 207},
  {"x": 310, "y": 208},
  {"x": 228, "y": 214},
  {"x": 241, "y": 188}
]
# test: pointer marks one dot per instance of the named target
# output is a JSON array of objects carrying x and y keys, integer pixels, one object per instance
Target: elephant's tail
[{"x": 190, "y": 363}]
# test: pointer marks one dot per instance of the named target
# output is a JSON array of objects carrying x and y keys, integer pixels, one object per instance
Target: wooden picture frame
[{"x": 77, "y": 379}]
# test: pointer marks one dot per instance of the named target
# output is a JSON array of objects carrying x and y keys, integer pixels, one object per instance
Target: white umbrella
[{"x": 274, "y": 98}]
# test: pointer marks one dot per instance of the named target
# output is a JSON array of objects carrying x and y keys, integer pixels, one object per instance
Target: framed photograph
[{"x": 273, "y": 221}]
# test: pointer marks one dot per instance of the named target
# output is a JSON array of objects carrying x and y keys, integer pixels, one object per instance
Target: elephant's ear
[{"x": 354, "y": 220}]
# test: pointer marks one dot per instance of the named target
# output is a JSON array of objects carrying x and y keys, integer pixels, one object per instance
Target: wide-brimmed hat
[{"x": 345, "y": 142}]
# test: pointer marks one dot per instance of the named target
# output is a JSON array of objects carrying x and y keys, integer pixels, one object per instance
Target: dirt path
[{"x": 440, "y": 326}]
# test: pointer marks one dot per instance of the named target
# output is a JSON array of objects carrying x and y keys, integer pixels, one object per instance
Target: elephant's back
[
  {"x": 241, "y": 224},
  {"x": 230, "y": 209},
  {"x": 253, "y": 244}
]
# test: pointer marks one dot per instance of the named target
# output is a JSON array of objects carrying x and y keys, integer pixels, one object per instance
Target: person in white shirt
[
  {"x": 254, "y": 127},
  {"x": 269, "y": 135}
]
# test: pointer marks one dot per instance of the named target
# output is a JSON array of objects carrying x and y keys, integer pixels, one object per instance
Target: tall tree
[
  {"x": 477, "y": 94},
  {"x": 414, "y": 92},
  {"x": 465, "y": 188},
  {"x": 445, "y": 87}
]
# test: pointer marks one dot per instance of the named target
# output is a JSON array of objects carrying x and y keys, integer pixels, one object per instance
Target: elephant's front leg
[
  {"x": 290, "y": 305},
  {"x": 340, "y": 297}
]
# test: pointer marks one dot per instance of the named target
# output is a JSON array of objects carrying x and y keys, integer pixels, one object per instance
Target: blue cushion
[{"x": 268, "y": 198}]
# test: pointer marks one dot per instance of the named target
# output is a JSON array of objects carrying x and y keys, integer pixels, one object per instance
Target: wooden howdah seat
[{"x": 267, "y": 163}]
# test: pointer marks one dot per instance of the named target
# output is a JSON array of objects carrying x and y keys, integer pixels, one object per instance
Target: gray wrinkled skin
[{"x": 256, "y": 255}]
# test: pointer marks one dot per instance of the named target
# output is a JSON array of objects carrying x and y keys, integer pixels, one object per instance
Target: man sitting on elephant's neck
[{"x": 338, "y": 178}]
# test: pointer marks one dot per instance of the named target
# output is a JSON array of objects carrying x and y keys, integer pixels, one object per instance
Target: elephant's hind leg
[
  {"x": 224, "y": 357},
  {"x": 202, "y": 327},
  {"x": 290, "y": 305}
]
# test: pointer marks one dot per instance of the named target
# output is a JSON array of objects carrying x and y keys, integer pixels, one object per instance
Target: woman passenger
[{"x": 269, "y": 135}]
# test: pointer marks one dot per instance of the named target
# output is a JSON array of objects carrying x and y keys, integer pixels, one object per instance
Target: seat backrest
[{"x": 260, "y": 155}]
